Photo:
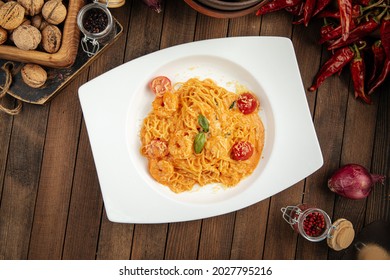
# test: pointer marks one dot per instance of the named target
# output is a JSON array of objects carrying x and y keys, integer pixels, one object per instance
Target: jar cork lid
[
  {"x": 113, "y": 3},
  {"x": 340, "y": 235}
]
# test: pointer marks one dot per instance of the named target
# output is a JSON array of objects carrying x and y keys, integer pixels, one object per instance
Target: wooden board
[
  {"x": 57, "y": 78},
  {"x": 65, "y": 56}
]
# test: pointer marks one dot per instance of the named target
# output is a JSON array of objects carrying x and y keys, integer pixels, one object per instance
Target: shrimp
[
  {"x": 167, "y": 104},
  {"x": 217, "y": 146},
  {"x": 156, "y": 149},
  {"x": 181, "y": 145},
  {"x": 161, "y": 170},
  {"x": 171, "y": 102}
]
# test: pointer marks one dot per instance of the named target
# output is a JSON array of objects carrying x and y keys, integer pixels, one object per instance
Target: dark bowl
[
  {"x": 229, "y": 5},
  {"x": 218, "y": 13}
]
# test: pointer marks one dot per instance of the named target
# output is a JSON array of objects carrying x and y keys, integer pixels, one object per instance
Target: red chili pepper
[
  {"x": 308, "y": 10},
  {"x": 363, "y": 2},
  {"x": 333, "y": 34},
  {"x": 357, "y": 33},
  {"x": 325, "y": 29},
  {"x": 356, "y": 12},
  {"x": 320, "y": 6},
  {"x": 385, "y": 35},
  {"x": 345, "y": 8},
  {"x": 385, "y": 39},
  {"x": 339, "y": 59},
  {"x": 276, "y": 5},
  {"x": 358, "y": 71},
  {"x": 379, "y": 58},
  {"x": 382, "y": 76},
  {"x": 296, "y": 10}
]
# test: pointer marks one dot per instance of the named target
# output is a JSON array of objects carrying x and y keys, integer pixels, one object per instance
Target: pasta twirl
[{"x": 169, "y": 131}]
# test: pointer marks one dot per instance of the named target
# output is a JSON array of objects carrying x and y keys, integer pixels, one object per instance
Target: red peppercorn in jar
[
  {"x": 312, "y": 223},
  {"x": 315, "y": 225}
]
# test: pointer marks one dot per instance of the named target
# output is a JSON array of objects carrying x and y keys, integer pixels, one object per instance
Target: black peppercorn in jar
[{"x": 96, "y": 23}]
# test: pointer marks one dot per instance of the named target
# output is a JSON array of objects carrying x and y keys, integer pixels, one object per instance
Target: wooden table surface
[{"x": 51, "y": 205}]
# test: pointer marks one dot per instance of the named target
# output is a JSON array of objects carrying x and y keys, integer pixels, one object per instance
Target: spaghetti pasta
[{"x": 170, "y": 137}]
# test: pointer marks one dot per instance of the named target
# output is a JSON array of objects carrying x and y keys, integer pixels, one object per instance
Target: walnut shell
[
  {"x": 26, "y": 37},
  {"x": 54, "y": 12},
  {"x": 39, "y": 22},
  {"x": 11, "y": 15},
  {"x": 3, "y": 35},
  {"x": 33, "y": 75},
  {"x": 51, "y": 38},
  {"x": 33, "y": 7}
]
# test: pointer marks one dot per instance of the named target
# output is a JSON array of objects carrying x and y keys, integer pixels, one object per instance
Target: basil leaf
[
  {"x": 203, "y": 122},
  {"x": 200, "y": 140},
  {"x": 232, "y": 105}
]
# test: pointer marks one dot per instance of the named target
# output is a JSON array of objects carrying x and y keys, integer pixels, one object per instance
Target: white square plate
[{"x": 115, "y": 104}]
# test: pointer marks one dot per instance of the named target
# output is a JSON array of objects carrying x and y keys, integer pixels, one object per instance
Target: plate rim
[{"x": 90, "y": 99}]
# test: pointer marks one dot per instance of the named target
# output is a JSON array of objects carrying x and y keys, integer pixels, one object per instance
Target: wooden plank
[
  {"x": 378, "y": 203},
  {"x": 180, "y": 19},
  {"x": 179, "y": 24},
  {"x": 308, "y": 53},
  {"x": 149, "y": 241},
  {"x": 329, "y": 119},
  {"x": 85, "y": 211},
  {"x": 244, "y": 26},
  {"x": 55, "y": 186},
  {"x": 183, "y": 240},
  {"x": 85, "y": 208},
  {"x": 217, "y": 232},
  {"x": 210, "y": 28},
  {"x": 143, "y": 37},
  {"x": 144, "y": 31},
  {"x": 115, "y": 239},
  {"x": 280, "y": 235},
  {"x": 21, "y": 181},
  {"x": 280, "y": 241},
  {"x": 252, "y": 220},
  {"x": 216, "y": 237},
  {"x": 6, "y": 122},
  {"x": 358, "y": 142}
]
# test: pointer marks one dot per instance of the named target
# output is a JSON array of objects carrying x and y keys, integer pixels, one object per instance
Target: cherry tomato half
[
  {"x": 247, "y": 103},
  {"x": 160, "y": 85},
  {"x": 242, "y": 150}
]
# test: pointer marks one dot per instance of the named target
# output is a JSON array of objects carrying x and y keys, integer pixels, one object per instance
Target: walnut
[
  {"x": 39, "y": 22},
  {"x": 11, "y": 15},
  {"x": 33, "y": 75},
  {"x": 54, "y": 11},
  {"x": 51, "y": 38},
  {"x": 3, "y": 35},
  {"x": 26, "y": 37},
  {"x": 32, "y": 7}
]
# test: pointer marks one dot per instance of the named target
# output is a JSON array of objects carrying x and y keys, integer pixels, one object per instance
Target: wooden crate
[{"x": 65, "y": 56}]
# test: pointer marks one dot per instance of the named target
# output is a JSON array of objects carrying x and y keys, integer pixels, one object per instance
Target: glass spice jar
[
  {"x": 315, "y": 225},
  {"x": 96, "y": 23},
  {"x": 310, "y": 222}
]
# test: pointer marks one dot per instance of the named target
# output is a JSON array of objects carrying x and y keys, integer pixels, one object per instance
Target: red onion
[
  {"x": 353, "y": 181},
  {"x": 155, "y": 5}
]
